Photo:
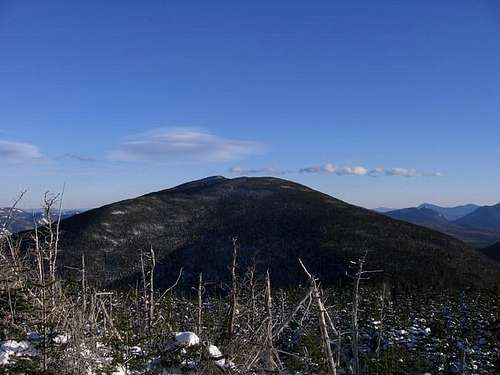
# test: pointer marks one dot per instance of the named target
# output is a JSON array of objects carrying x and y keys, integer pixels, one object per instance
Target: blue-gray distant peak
[{"x": 451, "y": 213}]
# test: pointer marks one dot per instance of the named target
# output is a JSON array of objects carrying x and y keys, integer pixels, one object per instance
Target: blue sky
[{"x": 379, "y": 103}]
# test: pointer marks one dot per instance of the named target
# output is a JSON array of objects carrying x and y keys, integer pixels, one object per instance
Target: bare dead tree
[
  {"x": 286, "y": 322},
  {"x": 57, "y": 233},
  {"x": 147, "y": 276},
  {"x": 233, "y": 308},
  {"x": 7, "y": 223},
  {"x": 84, "y": 285},
  {"x": 145, "y": 298},
  {"x": 358, "y": 276},
  {"x": 250, "y": 285},
  {"x": 151, "y": 288},
  {"x": 49, "y": 201},
  {"x": 200, "y": 305},
  {"x": 167, "y": 293},
  {"x": 383, "y": 298},
  {"x": 316, "y": 294},
  {"x": 107, "y": 311},
  {"x": 268, "y": 352}
]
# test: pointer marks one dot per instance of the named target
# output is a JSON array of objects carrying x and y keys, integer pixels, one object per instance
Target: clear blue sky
[{"x": 119, "y": 98}]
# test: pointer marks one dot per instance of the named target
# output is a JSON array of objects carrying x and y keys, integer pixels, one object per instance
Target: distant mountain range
[
  {"x": 451, "y": 213},
  {"x": 476, "y": 225},
  {"x": 17, "y": 220},
  {"x": 487, "y": 217},
  {"x": 276, "y": 221}
]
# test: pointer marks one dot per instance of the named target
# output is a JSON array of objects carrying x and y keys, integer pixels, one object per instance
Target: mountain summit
[
  {"x": 191, "y": 226},
  {"x": 486, "y": 217},
  {"x": 451, "y": 213}
]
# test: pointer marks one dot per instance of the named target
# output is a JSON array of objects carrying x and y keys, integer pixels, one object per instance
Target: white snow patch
[
  {"x": 186, "y": 339},
  {"x": 214, "y": 351},
  {"x": 216, "y": 354},
  {"x": 221, "y": 362},
  {"x": 118, "y": 212},
  {"x": 120, "y": 370},
  {"x": 12, "y": 348},
  {"x": 61, "y": 339},
  {"x": 136, "y": 351},
  {"x": 4, "y": 232},
  {"x": 43, "y": 221}
]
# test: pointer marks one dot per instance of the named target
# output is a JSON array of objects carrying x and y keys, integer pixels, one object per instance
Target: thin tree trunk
[
  {"x": 234, "y": 292},
  {"x": 84, "y": 286},
  {"x": 200, "y": 304},
  {"x": 151, "y": 289},
  {"x": 381, "y": 318},
  {"x": 332, "y": 367},
  {"x": 269, "y": 364},
  {"x": 355, "y": 328}
]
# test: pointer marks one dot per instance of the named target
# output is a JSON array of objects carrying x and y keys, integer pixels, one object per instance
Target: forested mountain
[{"x": 276, "y": 222}]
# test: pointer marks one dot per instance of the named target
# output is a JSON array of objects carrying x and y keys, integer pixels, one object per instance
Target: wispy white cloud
[
  {"x": 17, "y": 152},
  {"x": 330, "y": 168},
  {"x": 340, "y": 171},
  {"x": 353, "y": 171},
  {"x": 183, "y": 143},
  {"x": 405, "y": 172},
  {"x": 326, "y": 168}
]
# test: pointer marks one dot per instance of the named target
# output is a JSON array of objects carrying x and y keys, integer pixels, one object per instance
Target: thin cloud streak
[
  {"x": 168, "y": 144},
  {"x": 17, "y": 152},
  {"x": 330, "y": 168}
]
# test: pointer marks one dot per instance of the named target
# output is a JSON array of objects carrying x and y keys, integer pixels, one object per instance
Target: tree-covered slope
[{"x": 276, "y": 221}]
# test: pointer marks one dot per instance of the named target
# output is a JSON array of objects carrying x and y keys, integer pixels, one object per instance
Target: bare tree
[
  {"x": 358, "y": 276},
  {"x": 151, "y": 287},
  {"x": 315, "y": 292},
  {"x": 383, "y": 298},
  {"x": 200, "y": 304},
  {"x": 84, "y": 285},
  {"x": 233, "y": 308},
  {"x": 268, "y": 358}
]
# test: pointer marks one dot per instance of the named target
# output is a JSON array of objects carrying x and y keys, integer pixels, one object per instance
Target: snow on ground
[
  {"x": 186, "y": 339},
  {"x": 216, "y": 354},
  {"x": 120, "y": 370},
  {"x": 12, "y": 348},
  {"x": 214, "y": 351},
  {"x": 61, "y": 339}
]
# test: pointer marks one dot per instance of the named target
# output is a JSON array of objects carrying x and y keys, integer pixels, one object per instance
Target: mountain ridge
[
  {"x": 485, "y": 217},
  {"x": 277, "y": 221},
  {"x": 466, "y": 228},
  {"x": 451, "y": 213}
]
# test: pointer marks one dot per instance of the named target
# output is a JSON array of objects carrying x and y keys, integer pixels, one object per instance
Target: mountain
[
  {"x": 419, "y": 216},
  {"x": 17, "y": 220},
  {"x": 492, "y": 251},
  {"x": 426, "y": 217},
  {"x": 486, "y": 217},
  {"x": 276, "y": 221},
  {"x": 451, "y": 213}
]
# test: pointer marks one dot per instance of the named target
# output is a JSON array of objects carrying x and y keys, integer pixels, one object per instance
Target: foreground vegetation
[{"x": 56, "y": 326}]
